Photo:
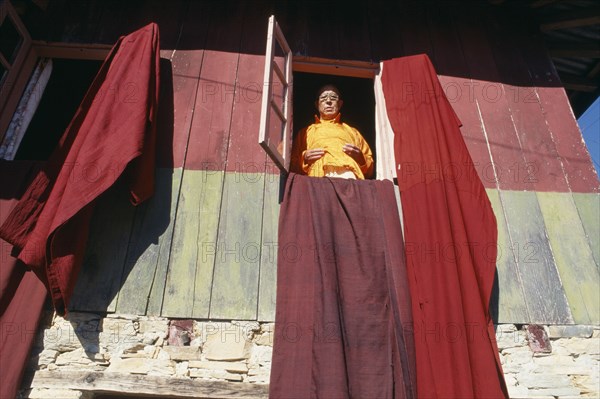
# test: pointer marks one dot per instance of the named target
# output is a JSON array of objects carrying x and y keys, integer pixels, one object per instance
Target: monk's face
[{"x": 329, "y": 104}]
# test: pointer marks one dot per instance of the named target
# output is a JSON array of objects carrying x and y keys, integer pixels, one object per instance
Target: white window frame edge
[
  {"x": 275, "y": 33},
  {"x": 384, "y": 141},
  {"x": 384, "y": 134},
  {"x": 23, "y": 62},
  {"x": 28, "y": 104}
]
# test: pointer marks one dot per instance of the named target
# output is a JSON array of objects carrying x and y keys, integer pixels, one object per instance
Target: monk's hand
[
  {"x": 355, "y": 153},
  {"x": 311, "y": 156}
]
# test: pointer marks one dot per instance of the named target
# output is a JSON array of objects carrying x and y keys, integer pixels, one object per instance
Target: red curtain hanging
[
  {"x": 450, "y": 234},
  {"x": 111, "y": 136},
  {"x": 343, "y": 323},
  {"x": 22, "y": 294}
]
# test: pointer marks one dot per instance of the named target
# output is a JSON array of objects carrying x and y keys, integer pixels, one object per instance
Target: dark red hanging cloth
[
  {"x": 343, "y": 326},
  {"x": 112, "y": 136},
  {"x": 450, "y": 233},
  {"x": 22, "y": 294}
]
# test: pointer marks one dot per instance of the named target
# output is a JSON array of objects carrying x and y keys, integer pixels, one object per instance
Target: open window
[
  {"x": 359, "y": 81},
  {"x": 275, "y": 120},
  {"x": 41, "y": 86}
]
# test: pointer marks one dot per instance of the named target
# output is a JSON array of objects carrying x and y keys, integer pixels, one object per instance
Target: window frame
[
  {"x": 281, "y": 157},
  {"x": 29, "y": 54},
  {"x": 385, "y": 165}
]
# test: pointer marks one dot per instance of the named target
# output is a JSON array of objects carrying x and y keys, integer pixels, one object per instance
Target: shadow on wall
[{"x": 122, "y": 259}]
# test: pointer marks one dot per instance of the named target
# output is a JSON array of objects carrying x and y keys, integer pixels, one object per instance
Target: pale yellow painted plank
[
  {"x": 267, "y": 289},
  {"x": 195, "y": 225},
  {"x": 508, "y": 301},
  {"x": 544, "y": 294},
  {"x": 573, "y": 255},
  {"x": 238, "y": 250},
  {"x": 588, "y": 206},
  {"x": 149, "y": 246},
  {"x": 99, "y": 281},
  {"x": 210, "y": 206}
]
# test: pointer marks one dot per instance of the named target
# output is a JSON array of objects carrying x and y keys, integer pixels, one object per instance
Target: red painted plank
[
  {"x": 451, "y": 65},
  {"x": 209, "y": 137},
  {"x": 575, "y": 157},
  {"x": 480, "y": 43},
  {"x": 179, "y": 90},
  {"x": 570, "y": 148},
  {"x": 529, "y": 119}
]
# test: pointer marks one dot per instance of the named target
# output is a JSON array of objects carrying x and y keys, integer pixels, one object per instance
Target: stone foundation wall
[{"x": 538, "y": 361}]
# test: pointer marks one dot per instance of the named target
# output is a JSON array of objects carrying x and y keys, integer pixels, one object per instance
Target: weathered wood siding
[{"x": 205, "y": 246}]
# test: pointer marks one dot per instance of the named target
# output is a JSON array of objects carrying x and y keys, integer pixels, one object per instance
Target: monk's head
[{"x": 329, "y": 102}]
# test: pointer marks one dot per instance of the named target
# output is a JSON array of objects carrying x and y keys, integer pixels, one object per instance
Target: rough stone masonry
[{"x": 538, "y": 361}]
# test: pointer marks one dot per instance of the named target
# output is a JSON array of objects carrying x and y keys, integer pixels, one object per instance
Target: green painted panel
[
  {"x": 145, "y": 271},
  {"x": 99, "y": 281},
  {"x": 209, "y": 214},
  {"x": 196, "y": 223},
  {"x": 544, "y": 293},
  {"x": 508, "y": 301},
  {"x": 588, "y": 206},
  {"x": 238, "y": 248},
  {"x": 574, "y": 258},
  {"x": 267, "y": 288}
]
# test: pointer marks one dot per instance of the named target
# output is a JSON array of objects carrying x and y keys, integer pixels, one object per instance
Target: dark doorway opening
[
  {"x": 358, "y": 110},
  {"x": 66, "y": 87}
]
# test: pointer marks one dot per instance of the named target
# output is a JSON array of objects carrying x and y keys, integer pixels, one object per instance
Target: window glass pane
[
  {"x": 275, "y": 130},
  {"x": 10, "y": 40}
]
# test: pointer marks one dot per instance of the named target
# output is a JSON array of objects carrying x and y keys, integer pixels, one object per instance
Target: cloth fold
[
  {"x": 111, "y": 136},
  {"x": 343, "y": 326},
  {"x": 450, "y": 237}
]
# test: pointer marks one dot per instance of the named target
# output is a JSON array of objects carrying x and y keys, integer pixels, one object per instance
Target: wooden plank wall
[{"x": 205, "y": 246}]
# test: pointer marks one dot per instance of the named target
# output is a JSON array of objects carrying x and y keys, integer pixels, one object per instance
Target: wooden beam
[
  {"x": 135, "y": 384},
  {"x": 356, "y": 69},
  {"x": 578, "y": 83},
  {"x": 542, "y": 3},
  {"x": 581, "y": 17},
  {"x": 76, "y": 51},
  {"x": 571, "y": 49}
]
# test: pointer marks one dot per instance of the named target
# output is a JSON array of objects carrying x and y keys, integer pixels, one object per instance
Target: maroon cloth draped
[
  {"x": 343, "y": 325},
  {"x": 451, "y": 235},
  {"x": 22, "y": 294},
  {"x": 111, "y": 135}
]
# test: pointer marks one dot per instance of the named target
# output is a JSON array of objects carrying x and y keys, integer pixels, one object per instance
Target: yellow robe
[{"x": 331, "y": 135}]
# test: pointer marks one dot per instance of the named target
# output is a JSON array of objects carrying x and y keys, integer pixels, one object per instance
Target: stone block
[
  {"x": 572, "y": 331},
  {"x": 259, "y": 376},
  {"x": 154, "y": 326},
  {"x": 543, "y": 381},
  {"x": 47, "y": 356},
  {"x": 538, "y": 340},
  {"x": 224, "y": 375},
  {"x": 200, "y": 373},
  {"x": 227, "y": 344},
  {"x": 45, "y": 393},
  {"x": 183, "y": 352},
  {"x": 261, "y": 356},
  {"x": 232, "y": 367},
  {"x": 181, "y": 332},
  {"x": 518, "y": 391},
  {"x": 79, "y": 357},
  {"x": 265, "y": 339},
  {"x": 554, "y": 360},
  {"x": 141, "y": 366},
  {"x": 554, "y": 392},
  {"x": 182, "y": 369}
]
